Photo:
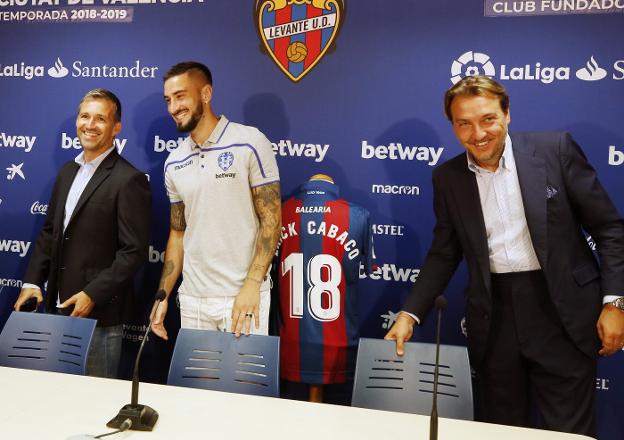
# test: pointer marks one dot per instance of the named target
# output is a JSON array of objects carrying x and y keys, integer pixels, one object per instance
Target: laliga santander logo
[
  {"x": 593, "y": 72},
  {"x": 471, "y": 63},
  {"x": 58, "y": 70}
]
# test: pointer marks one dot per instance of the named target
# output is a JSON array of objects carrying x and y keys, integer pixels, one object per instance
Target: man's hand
[
  {"x": 611, "y": 329},
  {"x": 158, "y": 324},
  {"x": 401, "y": 332},
  {"x": 82, "y": 304},
  {"x": 25, "y": 295},
  {"x": 246, "y": 306}
]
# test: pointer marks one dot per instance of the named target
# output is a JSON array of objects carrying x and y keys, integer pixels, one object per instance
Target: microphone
[
  {"x": 141, "y": 417},
  {"x": 440, "y": 304}
]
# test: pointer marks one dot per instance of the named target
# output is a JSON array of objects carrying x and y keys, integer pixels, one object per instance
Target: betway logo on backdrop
[
  {"x": 477, "y": 63},
  {"x": 168, "y": 145},
  {"x": 79, "y": 69},
  {"x": 390, "y": 272},
  {"x": 17, "y": 141},
  {"x": 616, "y": 157},
  {"x": 15, "y": 246},
  {"x": 288, "y": 148},
  {"x": 398, "y": 151},
  {"x": 68, "y": 142}
]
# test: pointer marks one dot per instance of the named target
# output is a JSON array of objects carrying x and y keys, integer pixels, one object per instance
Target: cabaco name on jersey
[
  {"x": 17, "y": 141},
  {"x": 312, "y": 209},
  {"x": 322, "y": 228},
  {"x": 161, "y": 145},
  {"x": 68, "y": 142},
  {"x": 390, "y": 272},
  {"x": 396, "y": 151},
  {"x": 286, "y": 147},
  {"x": 15, "y": 246}
]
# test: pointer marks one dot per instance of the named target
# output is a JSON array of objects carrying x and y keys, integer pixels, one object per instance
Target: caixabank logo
[
  {"x": 77, "y": 69},
  {"x": 298, "y": 33},
  {"x": 478, "y": 63}
]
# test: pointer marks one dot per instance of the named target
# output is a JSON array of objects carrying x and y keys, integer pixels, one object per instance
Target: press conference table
[{"x": 43, "y": 405}]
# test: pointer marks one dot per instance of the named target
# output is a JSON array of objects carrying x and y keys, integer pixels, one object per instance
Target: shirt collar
[
  {"x": 95, "y": 163},
  {"x": 507, "y": 161},
  {"x": 320, "y": 185},
  {"x": 217, "y": 133}
]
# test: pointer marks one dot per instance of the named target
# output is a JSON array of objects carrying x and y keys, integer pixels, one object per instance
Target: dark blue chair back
[
  {"x": 384, "y": 380},
  {"x": 40, "y": 341},
  {"x": 221, "y": 362}
]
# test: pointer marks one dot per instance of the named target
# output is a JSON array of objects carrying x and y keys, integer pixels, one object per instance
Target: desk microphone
[
  {"x": 440, "y": 304},
  {"x": 142, "y": 417}
]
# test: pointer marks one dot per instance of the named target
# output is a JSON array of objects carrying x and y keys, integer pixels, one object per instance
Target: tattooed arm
[
  {"x": 172, "y": 268},
  {"x": 268, "y": 206}
]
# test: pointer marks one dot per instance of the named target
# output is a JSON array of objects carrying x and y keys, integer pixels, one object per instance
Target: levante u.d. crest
[{"x": 298, "y": 33}]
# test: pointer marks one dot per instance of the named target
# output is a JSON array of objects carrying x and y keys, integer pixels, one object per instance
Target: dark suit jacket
[
  {"x": 104, "y": 244},
  {"x": 561, "y": 196}
]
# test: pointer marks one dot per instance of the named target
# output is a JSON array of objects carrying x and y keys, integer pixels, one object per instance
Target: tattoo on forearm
[
  {"x": 167, "y": 270},
  {"x": 177, "y": 217},
  {"x": 267, "y": 202}
]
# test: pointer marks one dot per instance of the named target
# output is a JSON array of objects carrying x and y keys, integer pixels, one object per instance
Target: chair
[
  {"x": 39, "y": 341},
  {"x": 220, "y": 361},
  {"x": 384, "y": 380}
]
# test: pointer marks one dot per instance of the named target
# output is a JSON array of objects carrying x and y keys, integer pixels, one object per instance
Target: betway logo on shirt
[
  {"x": 288, "y": 148},
  {"x": 17, "y": 141},
  {"x": 15, "y": 246},
  {"x": 390, "y": 272},
  {"x": 398, "y": 151},
  {"x": 68, "y": 142}
]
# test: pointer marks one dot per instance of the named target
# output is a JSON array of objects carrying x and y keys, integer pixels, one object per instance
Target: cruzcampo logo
[{"x": 298, "y": 33}]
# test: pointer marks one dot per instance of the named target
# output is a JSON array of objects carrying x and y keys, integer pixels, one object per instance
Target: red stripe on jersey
[
  {"x": 289, "y": 331},
  {"x": 313, "y": 38},
  {"x": 335, "y": 332},
  {"x": 282, "y": 16}
]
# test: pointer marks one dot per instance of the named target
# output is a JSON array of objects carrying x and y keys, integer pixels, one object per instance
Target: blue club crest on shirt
[{"x": 225, "y": 160}]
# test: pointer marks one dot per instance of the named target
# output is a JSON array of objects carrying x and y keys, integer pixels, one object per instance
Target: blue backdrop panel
[{"x": 369, "y": 114}]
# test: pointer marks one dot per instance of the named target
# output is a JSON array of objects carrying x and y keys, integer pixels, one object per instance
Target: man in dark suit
[
  {"x": 515, "y": 207},
  {"x": 95, "y": 236}
]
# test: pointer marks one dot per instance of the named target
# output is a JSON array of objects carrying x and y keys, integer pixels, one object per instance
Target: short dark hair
[
  {"x": 476, "y": 86},
  {"x": 104, "y": 94},
  {"x": 189, "y": 66}
]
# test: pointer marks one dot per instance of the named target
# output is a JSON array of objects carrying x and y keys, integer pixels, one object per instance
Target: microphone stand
[{"x": 142, "y": 417}]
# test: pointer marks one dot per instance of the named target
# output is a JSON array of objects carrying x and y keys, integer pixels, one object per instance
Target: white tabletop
[{"x": 45, "y": 405}]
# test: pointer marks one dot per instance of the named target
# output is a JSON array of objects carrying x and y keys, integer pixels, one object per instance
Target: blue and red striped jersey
[{"x": 324, "y": 240}]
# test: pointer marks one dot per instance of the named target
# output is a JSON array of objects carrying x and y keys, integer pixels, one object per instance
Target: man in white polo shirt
[{"x": 223, "y": 185}]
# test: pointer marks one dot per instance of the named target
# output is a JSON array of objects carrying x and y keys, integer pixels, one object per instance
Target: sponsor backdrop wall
[{"x": 358, "y": 98}]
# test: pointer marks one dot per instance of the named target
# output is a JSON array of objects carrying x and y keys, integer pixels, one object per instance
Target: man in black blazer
[
  {"x": 515, "y": 207},
  {"x": 96, "y": 234}
]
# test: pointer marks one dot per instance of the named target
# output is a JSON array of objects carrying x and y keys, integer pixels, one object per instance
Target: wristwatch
[{"x": 619, "y": 303}]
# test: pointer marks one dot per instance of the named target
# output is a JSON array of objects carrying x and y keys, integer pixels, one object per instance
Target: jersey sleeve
[
  {"x": 263, "y": 166},
  {"x": 172, "y": 193}
]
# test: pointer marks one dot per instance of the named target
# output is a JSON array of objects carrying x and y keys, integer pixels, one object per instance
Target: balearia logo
[
  {"x": 394, "y": 230},
  {"x": 403, "y": 190},
  {"x": 398, "y": 151},
  {"x": 388, "y": 319},
  {"x": 79, "y": 69},
  {"x": 592, "y": 71},
  {"x": 15, "y": 170},
  {"x": 161, "y": 145},
  {"x": 15, "y": 246},
  {"x": 68, "y": 141},
  {"x": 10, "y": 282},
  {"x": 288, "y": 148},
  {"x": 17, "y": 141},
  {"x": 390, "y": 272},
  {"x": 476, "y": 63},
  {"x": 58, "y": 70},
  {"x": 38, "y": 208},
  {"x": 616, "y": 157}
]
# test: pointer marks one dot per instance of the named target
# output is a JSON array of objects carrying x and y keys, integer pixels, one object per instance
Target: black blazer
[
  {"x": 561, "y": 196},
  {"x": 105, "y": 243}
]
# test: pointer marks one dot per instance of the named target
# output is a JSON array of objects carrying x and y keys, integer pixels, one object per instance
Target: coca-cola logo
[{"x": 38, "y": 208}]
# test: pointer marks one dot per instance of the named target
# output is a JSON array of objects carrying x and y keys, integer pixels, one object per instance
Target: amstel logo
[{"x": 298, "y": 33}]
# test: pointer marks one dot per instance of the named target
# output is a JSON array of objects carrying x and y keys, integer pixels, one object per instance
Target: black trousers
[{"x": 530, "y": 357}]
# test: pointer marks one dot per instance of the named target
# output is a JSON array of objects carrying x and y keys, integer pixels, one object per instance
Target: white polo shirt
[{"x": 214, "y": 182}]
